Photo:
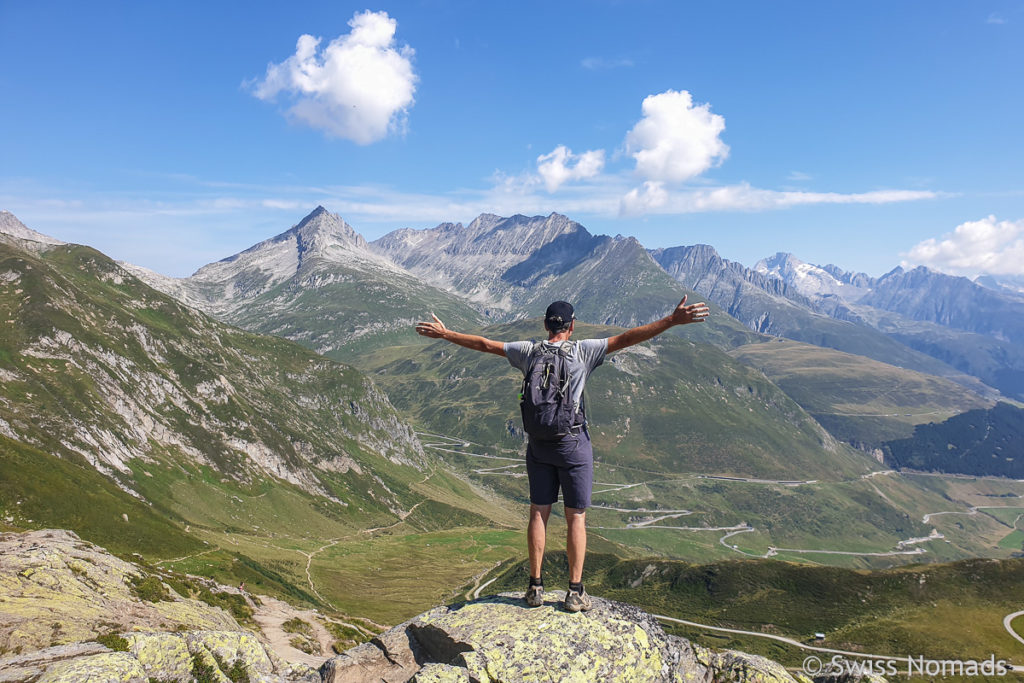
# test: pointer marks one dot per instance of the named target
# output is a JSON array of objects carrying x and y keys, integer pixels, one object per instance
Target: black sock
[
  {"x": 578, "y": 587},
  {"x": 536, "y": 582}
]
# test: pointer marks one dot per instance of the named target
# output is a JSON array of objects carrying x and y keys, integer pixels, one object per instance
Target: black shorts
[{"x": 567, "y": 464}]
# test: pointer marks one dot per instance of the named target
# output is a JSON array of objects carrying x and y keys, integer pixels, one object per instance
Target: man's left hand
[{"x": 694, "y": 313}]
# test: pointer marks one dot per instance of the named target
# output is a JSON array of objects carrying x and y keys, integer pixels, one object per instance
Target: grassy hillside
[
  {"x": 148, "y": 427},
  {"x": 341, "y": 312},
  {"x": 96, "y": 363},
  {"x": 620, "y": 284},
  {"x": 698, "y": 457},
  {"x": 668, "y": 405},
  {"x": 39, "y": 490},
  {"x": 857, "y": 399}
]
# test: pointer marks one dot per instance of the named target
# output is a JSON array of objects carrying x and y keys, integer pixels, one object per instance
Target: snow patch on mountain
[{"x": 809, "y": 280}]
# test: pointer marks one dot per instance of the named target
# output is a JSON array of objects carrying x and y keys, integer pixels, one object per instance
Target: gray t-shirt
[{"x": 588, "y": 354}]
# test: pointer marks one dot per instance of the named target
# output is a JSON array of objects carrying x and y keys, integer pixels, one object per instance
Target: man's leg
[
  {"x": 576, "y": 542},
  {"x": 536, "y": 535}
]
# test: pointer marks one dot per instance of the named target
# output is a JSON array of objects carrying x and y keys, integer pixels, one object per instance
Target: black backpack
[{"x": 546, "y": 401}]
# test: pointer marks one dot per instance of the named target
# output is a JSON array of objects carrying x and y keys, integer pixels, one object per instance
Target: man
[{"x": 565, "y": 462}]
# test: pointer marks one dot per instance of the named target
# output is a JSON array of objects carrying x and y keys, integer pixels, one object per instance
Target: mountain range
[
  {"x": 274, "y": 407},
  {"x": 309, "y": 283},
  {"x": 321, "y": 284}
]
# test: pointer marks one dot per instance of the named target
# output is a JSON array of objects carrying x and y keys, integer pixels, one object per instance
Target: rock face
[
  {"x": 10, "y": 225},
  {"x": 56, "y": 589},
  {"x": 498, "y": 638},
  {"x": 319, "y": 284},
  {"x": 181, "y": 657},
  {"x": 63, "y": 603}
]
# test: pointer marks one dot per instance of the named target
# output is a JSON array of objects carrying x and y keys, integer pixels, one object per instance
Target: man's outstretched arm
[
  {"x": 437, "y": 330},
  {"x": 694, "y": 313}
]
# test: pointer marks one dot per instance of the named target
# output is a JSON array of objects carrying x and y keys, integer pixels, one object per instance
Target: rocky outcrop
[
  {"x": 70, "y": 611},
  {"x": 56, "y": 589},
  {"x": 179, "y": 657},
  {"x": 498, "y": 638}
]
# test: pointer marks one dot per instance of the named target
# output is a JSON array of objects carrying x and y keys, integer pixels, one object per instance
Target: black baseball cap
[{"x": 558, "y": 316}]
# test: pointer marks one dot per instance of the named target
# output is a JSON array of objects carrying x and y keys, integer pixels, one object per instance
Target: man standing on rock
[{"x": 558, "y": 451}]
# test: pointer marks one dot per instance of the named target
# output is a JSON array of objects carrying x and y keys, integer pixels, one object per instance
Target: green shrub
[
  {"x": 296, "y": 625},
  {"x": 236, "y": 673},
  {"x": 300, "y": 643},
  {"x": 150, "y": 588},
  {"x": 203, "y": 672},
  {"x": 113, "y": 641}
]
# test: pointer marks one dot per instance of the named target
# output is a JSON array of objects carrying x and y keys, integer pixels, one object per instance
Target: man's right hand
[{"x": 434, "y": 330}]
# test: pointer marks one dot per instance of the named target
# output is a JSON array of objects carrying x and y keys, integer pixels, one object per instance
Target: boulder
[{"x": 499, "y": 639}]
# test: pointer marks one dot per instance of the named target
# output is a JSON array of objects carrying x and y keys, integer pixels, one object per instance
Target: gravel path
[{"x": 272, "y": 613}]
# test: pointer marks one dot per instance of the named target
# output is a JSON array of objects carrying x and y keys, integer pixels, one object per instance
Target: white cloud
[
  {"x": 655, "y": 199},
  {"x": 562, "y": 165},
  {"x": 645, "y": 199},
  {"x": 995, "y": 19},
  {"x": 798, "y": 176},
  {"x": 676, "y": 140},
  {"x": 983, "y": 246},
  {"x": 360, "y": 87}
]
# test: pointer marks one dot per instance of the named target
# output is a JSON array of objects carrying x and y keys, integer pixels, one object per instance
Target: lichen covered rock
[
  {"x": 111, "y": 667},
  {"x": 57, "y": 589},
  {"x": 181, "y": 657},
  {"x": 740, "y": 666},
  {"x": 166, "y": 653},
  {"x": 441, "y": 673},
  {"x": 499, "y": 639}
]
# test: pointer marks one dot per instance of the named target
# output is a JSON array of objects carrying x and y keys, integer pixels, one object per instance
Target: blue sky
[{"x": 862, "y": 134}]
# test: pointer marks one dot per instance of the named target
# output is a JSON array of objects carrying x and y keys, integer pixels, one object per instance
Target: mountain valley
[{"x": 274, "y": 418}]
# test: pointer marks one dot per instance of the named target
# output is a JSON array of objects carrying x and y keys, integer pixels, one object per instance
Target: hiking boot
[
  {"x": 577, "y": 601},
  {"x": 535, "y": 596}
]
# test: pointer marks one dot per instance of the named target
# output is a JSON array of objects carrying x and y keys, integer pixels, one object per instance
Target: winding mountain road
[{"x": 1009, "y": 627}]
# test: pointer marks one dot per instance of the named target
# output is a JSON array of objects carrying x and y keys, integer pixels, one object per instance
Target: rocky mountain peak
[
  {"x": 780, "y": 264},
  {"x": 322, "y": 229},
  {"x": 895, "y": 272},
  {"x": 320, "y": 234},
  {"x": 695, "y": 253},
  {"x": 1004, "y": 284},
  {"x": 862, "y": 280},
  {"x": 482, "y": 223},
  {"x": 10, "y": 225},
  {"x": 809, "y": 280},
  {"x": 525, "y": 234}
]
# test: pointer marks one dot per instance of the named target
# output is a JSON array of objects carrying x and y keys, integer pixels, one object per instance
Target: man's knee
[
  {"x": 575, "y": 515},
  {"x": 541, "y": 511}
]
